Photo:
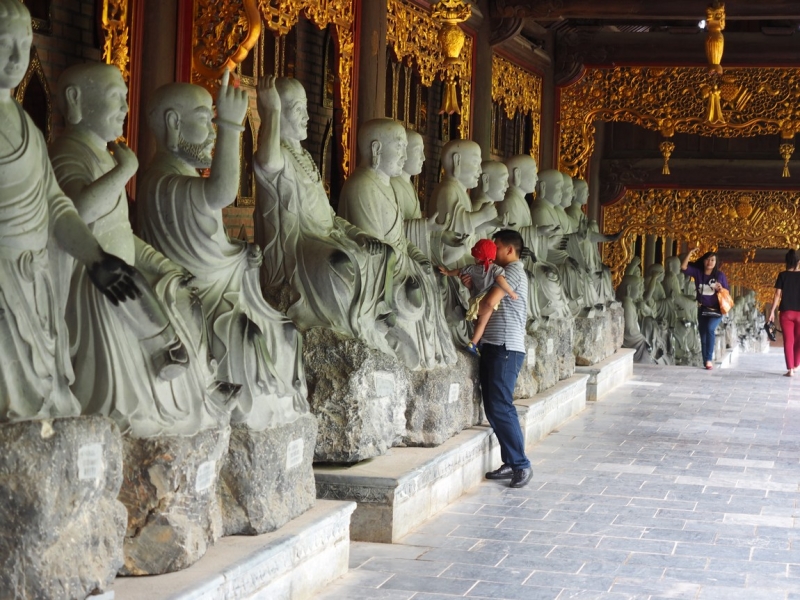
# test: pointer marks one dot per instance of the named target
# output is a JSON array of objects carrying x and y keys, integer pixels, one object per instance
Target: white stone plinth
[
  {"x": 296, "y": 562},
  {"x": 608, "y": 374},
  {"x": 544, "y": 412}
]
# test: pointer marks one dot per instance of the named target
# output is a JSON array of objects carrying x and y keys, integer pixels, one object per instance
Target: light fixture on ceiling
[{"x": 702, "y": 24}]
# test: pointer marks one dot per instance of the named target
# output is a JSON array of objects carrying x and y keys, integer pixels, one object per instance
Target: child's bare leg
[{"x": 485, "y": 310}]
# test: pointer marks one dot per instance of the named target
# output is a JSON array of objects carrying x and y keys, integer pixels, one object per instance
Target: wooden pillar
[
  {"x": 371, "y": 48},
  {"x": 649, "y": 251},
  {"x": 482, "y": 85},
  {"x": 547, "y": 137},
  {"x": 593, "y": 206}
]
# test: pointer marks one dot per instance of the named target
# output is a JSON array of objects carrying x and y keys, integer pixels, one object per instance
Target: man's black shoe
[
  {"x": 521, "y": 477},
  {"x": 504, "y": 472}
]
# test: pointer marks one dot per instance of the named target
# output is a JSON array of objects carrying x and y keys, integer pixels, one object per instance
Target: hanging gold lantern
[
  {"x": 450, "y": 13},
  {"x": 666, "y": 148},
  {"x": 715, "y": 42},
  {"x": 786, "y": 150}
]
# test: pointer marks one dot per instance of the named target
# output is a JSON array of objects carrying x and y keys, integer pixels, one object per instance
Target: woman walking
[
  {"x": 708, "y": 280},
  {"x": 787, "y": 296}
]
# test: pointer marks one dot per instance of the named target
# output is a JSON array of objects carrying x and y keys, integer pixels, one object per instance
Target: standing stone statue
[
  {"x": 339, "y": 277},
  {"x": 368, "y": 201},
  {"x": 629, "y": 293},
  {"x": 61, "y": 526},
  {"x": 407, "y": 197},
  {"x": 130, "y": 364}
]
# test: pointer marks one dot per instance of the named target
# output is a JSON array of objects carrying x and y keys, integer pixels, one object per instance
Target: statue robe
[
  {"x": 35, "y": 370},
  {"x": 253, "y": 344},
  {"x": 334, "y": 282},
  {"x": 423, "y": 339},
  {"x": 114, "y": 375},
  {"x": 415, "y": 227}
]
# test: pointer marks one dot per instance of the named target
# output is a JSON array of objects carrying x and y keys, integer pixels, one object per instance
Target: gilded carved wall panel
[
  {"x": 413, "y": 35},
  {"x": 756, "y": 276},
  {"x": 708, "y": 218},
  {"x": 746, "y": 102},
  {"x": 519, "y": 91},
  {"x": 117, "y": 35}
]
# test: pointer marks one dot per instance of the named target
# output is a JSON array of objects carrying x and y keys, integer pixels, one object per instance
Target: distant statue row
[
  {"x": 170, "y": 333},
  {"x": 661, "y": 315}
]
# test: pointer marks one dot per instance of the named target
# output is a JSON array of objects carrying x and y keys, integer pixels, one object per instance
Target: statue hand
[
  {"x": 231, "y": 101},
  {"x": 114, "y": 278},
  {"x": 126, "y": 159},
  {"x": 562, "y": 245},
  {"x": 489, "y": 212},
  {"x": 254, "y": 256},
  {"x": 186, "y": 278},
  {"x": 268, "y": 99},
  {"x": 434, "y": 226},
  {"x": 454, "y": 239},
  {"x": 369, "y": 243}
]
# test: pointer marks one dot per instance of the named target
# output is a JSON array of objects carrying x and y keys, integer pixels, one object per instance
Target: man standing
[{"x": 502, "y": 354}]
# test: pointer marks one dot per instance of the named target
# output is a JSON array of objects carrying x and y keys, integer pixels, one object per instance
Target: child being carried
[{"x": 488, "y": 281}]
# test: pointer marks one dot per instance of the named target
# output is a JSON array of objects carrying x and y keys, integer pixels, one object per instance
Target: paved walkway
[{"x": 683, "y": 484}]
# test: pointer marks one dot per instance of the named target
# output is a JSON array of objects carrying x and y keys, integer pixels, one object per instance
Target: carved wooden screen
[{"x": 33, "y": 93}]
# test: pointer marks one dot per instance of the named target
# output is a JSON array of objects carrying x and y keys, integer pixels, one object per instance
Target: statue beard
[{"x": 197, "y": 155}]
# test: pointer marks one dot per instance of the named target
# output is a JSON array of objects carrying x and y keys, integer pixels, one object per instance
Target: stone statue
[
  {"x": 254, "y": 345},
  {"x": 130, "y": 363},
  {"x": 337, "y": 275},
  {"x": 403, "y": 187},
  {"x": 548, "y": 212},
  {"x": 684, "y": 330},
  {"x": 545, "y": 297},
  {"x": 39, "y": 230},
  {"x": 493, "y": 187},
  {"x": 368, "y": 201},
  {"x": 659, "y": 321},
  {"x": 629, "y": 293}
]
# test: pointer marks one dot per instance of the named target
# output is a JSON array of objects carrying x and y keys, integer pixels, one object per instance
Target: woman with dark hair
[
  {"x": 787, "y": 296},
  {"x": 708, "y": 280}
]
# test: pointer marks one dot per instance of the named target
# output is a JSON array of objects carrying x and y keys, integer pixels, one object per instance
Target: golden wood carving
[
  {"x": 451, "y": 13},
  {"x": 752, "y": 101},
  {"x": 116, "y": 31},
  {"x": 35, "y": 70},
  {"x": 413, "y": 34},
  {"x": 708, "y": 218},
  {"x": 222, "y": 36},
  {"x": 518, "y": 90},
  {"x": 756, "y": 276},
  {"x": 715, "y": 42}
]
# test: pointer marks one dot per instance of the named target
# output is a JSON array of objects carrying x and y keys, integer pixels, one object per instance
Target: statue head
[
  {"x": 551, "y": 183},
  {"x": 93, "y": 96},
  {"x": 673, "y": 265},
  {"x": 523, "y": 173},
  {"x": 656, "y": 271},
  {"x": 494, "y": 176},
  {"x": 415, "y": 152},
  {"x": 567, "y": 191},
  {"x": 180, "y": 116},
  {"x": 580, "y": 191},
  {"x": 461, "y": 159},
  {"x": 631, "y": 287},
  {"x": 294, "y": 109},
  {"x": 16, "y": 37},
  {"x": 382, "y": 146}
]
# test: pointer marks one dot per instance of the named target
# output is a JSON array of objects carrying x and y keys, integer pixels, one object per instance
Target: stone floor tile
[
  {"x": 428, "y": 568},
  {"x": 503, "y": 574},
  {"x": 439, "y": 585},
  {"x": 468, "y": 557},
  {"x": 485, "y": 589},
  {"x": 360, "y": 552},
  {"x": 348, "y": 592},
  {"x": 568, "y": 581},
  {"x": 726, "y": 593},
  {"x": 543, "y": 563},
  {"x": 438, "y": 541},
  {"x": 488, "y": 533}
]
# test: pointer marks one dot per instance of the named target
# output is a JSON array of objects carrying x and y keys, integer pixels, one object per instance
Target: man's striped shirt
[{"x": 507, "y": 324}]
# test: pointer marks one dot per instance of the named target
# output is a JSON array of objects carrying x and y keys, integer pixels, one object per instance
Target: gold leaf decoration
[
  {"x": 116, "y": 34},
  {"x": 518, "y": 90}
]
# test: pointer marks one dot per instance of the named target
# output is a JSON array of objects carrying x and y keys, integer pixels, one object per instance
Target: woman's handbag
[{"x": 725, "y": 301}]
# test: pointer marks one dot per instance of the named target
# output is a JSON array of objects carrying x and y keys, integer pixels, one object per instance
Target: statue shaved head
[
  {"x": 94, "y": 95},
  {"x": 581, "y": 191},
  {"x": 15, "y": 23},
  {"x": 180, "y": 116},
  {"x": 461, "y": 159},
  {"x": 551, "y": 182},
  {"x": 14, "y": 9},
  {"x": 416, "y": 153},
  {"x": 294, "y": 109},
  {"x": 382, "y": 146},
  {"x": 523, "y": 172},
  {"x": 496, "y": 177}
]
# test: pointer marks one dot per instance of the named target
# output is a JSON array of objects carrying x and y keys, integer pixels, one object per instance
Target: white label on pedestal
[
  {"x": 452, "y": 396},
  {"x": 598, "y": 334},
  {"x": 531, "y": 358},
  {"x": 205, "y": 475},
  {"x": 549, "y": 345},
  {"x": 294, "y": 454},
  {"x": 90, "y": 461},
  {"x": 384, "y": 385}
]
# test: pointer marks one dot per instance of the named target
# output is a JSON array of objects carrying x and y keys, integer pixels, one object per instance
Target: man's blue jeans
[
  {"x": 708, "y": 328},
  {"x": 498, "y": 374}
]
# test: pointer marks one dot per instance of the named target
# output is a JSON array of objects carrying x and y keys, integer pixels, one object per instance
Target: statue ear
[
  {"x": 172, "y": 128},
  {"x": 376, "y": 153},
  {"x": 72, "y": 105},
  {"x": 485, "y": 182},
  {"x": 456, "y": 164},
  {"x": 541, "y": 189},
  {"x": 516, "y": 176}
]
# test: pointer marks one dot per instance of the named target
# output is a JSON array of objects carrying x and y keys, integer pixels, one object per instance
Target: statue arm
[
  {"x": 151, "y": 261},
  {"x": 269, "y": 153},
  {"x": 347, "y": 227}
]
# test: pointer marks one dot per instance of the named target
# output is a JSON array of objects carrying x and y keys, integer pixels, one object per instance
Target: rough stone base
[
  {"x": 61, "y": 526},
  {"x": 358, "y": 395},
  {"x": 170, "y": 493},
  {"x": 442, "y": 402},
  {"x": 267, "y": 479},
  {"x": 296, "y": 562},
  {"x": 608, "y": 374},
  {"x": 598, "y": 337},
  {"x": 552, "y": 358}
]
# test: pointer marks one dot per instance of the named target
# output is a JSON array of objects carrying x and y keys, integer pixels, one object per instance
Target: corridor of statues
[{"x": 176, "y": 366}]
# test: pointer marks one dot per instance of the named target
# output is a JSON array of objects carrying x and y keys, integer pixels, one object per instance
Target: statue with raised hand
[
  {"x": 254, "y": 346},
  {"x": 39, "y": 231}
]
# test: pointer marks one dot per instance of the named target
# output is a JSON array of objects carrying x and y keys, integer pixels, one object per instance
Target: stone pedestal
[
  {"x": 442, "y": 402},
  {"x": 550, "y": 356},
  {"x": 61, "y": 526},
  {"x": 358, "y": 395},
  {"x": 598, "y": 337},
  {"x": 170, "y": 492},
  {"x": 267, "y": 479},
  {"x": 608, "y": 374}
]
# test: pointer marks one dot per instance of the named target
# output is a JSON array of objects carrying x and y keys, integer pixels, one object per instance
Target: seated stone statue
[
  {"x": 659, "y": 321},
  {"x": 39, "y": 230},
  {"x": 125, "y": 356},
  {"x": 403, "y": 187},
  {"x": 254, "y": 345},
  {"x": 368, "y": 202},
  {"x": 684, "y": 331},
  {"x": 337, "y": 275},
  {"x": 629, "y": 293},
  {"x": 545, "y": 296}
]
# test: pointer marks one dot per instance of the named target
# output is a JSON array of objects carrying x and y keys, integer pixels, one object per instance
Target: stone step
[
  {"x": 295, "y": 562},
  {"x": 608, "y": 374},
  {"x": 403, "y": 488}
]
